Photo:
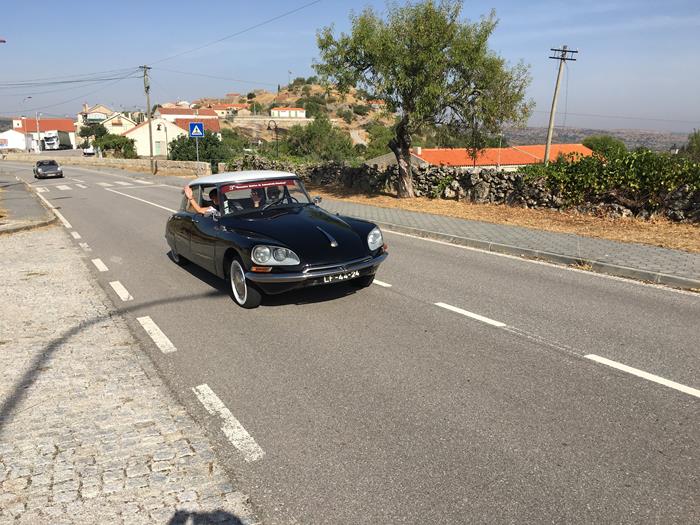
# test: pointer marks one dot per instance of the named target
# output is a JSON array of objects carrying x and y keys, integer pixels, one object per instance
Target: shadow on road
[
  {"x": 182, "y": 517},
  {"x": 315, "y": 294}
]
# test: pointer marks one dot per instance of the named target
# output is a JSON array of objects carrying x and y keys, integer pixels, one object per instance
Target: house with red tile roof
[
  {"x": 505, "y": 159},
  {"x": 175, "y": 113},
  {"x": 164, "y": 132},
  {"x": 33, "y": 128}
]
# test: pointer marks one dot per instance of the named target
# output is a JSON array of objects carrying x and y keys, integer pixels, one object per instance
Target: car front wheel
[
  {"x": 243, "y": 292},
  {"x": 177, "y": 258}
]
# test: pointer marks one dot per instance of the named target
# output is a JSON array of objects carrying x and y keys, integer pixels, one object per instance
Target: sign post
[{"x": 196, "y": 132}]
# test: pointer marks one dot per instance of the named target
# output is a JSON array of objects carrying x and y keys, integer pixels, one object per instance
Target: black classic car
[
  {"x": 47, "y": 168},
  {"x": 261, "y": 232}
]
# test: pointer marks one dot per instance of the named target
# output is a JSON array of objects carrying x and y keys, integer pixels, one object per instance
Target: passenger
[
  {"x": 257, "y": 195},
  {"x": 209, "y": 210},
  {"x": 273, "y": 193}
]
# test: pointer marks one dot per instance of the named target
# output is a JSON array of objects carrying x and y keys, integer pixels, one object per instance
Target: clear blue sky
[{"x": 638, "y": 58}]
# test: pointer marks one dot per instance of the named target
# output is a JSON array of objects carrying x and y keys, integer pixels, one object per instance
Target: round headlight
[
  {"x": 261, "y": 254},
  {"x": 279, "y": 254},
  {"x": 375, "y": 239}
]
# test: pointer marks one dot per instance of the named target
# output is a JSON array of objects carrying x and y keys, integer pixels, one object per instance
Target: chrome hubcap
[{"x": 238, "y": 284}]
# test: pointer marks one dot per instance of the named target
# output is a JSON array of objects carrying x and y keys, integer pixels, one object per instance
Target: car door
[
  {"x": 181, "y": 227},
  {"x": 204, "y": 232}
]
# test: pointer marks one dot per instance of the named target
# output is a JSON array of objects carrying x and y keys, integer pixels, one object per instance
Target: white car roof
[{"x": 242, "y": 176}]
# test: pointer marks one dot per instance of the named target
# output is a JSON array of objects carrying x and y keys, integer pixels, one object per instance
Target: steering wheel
[{"x": 272, "y": 203}]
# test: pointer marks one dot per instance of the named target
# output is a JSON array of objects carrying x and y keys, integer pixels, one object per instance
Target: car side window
[{"x": 196, "y": 196}]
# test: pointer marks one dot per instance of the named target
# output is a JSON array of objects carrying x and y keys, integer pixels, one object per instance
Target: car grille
[{"x": 339, "y": 266}]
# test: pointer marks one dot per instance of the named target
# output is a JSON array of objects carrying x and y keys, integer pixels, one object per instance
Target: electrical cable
[
  {"x": 28, "y": 110},
  {"x": 238, "y": 33},
  {"x": 215, "y": 77}
]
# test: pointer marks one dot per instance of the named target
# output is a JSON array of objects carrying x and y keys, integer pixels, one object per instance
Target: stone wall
[
  {"x": 163, "y": 167},
  {"x": 487, "y": 186}
]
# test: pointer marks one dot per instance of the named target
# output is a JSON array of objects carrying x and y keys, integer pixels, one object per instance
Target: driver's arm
[{"x": 196, "y": 207}]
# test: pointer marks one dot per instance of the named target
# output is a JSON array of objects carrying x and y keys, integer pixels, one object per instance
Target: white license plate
[{"x": 341, "y": 277}]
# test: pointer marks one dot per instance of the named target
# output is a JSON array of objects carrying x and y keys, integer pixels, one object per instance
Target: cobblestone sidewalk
[
  {"x": 672, "y": 267},
  {"x": 88, "y": 432}
]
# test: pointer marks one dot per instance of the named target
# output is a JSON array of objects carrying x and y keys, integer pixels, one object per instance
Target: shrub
[{"x": 117, "y": 146}]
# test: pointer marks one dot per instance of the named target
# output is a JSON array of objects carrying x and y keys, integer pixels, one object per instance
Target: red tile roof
[
  {"x": 229, "y": 106},
  {"x": 512, "y": 156},
  {"x": 209, "y": 124},
  {"x": 46, "y": 124},
  {"x": 203, "y": 112}
]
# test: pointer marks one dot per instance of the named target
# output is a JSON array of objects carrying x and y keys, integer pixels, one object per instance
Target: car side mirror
[{"x": 317, "y": 199}]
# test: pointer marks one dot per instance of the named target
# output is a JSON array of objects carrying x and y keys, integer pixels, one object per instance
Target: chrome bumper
[{"x": 315, "y": 274}]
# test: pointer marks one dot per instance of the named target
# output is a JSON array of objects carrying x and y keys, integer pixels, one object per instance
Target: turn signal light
[
  {"x": 262, "y": 269},
  {"x": 385, "y": 247}
]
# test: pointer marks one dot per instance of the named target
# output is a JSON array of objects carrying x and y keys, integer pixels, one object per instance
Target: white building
[
  {"x": 164, "y": 132},
  {"x": 118, "y": 124},
  {"x": 13, "y": 139},
  {"x": 288, "y": 112}
]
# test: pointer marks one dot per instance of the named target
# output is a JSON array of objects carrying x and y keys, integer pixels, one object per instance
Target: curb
[
  {"x": 30, "y": 224},
  {"x": 566, "y": 260}
]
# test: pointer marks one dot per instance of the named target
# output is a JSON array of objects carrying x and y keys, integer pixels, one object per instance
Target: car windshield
[
  {"x": 254, "y": 196},
  {"x": 47, "y": 163}
]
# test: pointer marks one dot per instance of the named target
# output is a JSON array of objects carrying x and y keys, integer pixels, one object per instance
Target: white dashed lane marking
[
  {"x": 75, "y": 235},
  {"x": 382, "y": 283},
  {"x": 42, "y": 189},
  {"x": 122, "y": 292},
  {"x": 142, "y": 181},
  {"x": 159, "y": 338},
  {"x": 81, "y": 186},
  {"x": 143, "y": 200},
  {"x": 234, "y": 431},
  {"x": 122, "y": 183},
  {"x": 63, "y": 187},
  {"x": 77, "y": 180},
  {"x": 104, "y": 184},
  {"x": 102, "y": 267},
  {"x": 644, "y": 375},
  {"x": 85, "y": 246},
  {"x": 471, "y": 315}
]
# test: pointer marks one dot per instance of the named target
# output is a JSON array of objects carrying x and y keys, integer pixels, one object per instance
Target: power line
[
  {"x": 76, "y": 76},
  {"x": 216, "y": 77},
  {"x": 129, "y": 75},
  {"x": 238, "y": 33}
]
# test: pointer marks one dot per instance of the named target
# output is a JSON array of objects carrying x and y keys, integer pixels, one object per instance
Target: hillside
[
  {"x": 654, "y": 140},
  {"x": 5, "y": 124}
]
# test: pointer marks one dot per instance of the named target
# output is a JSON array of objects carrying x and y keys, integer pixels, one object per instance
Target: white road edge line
[
  {"x": 55, "y": 211},
  {"x": 159, "y": 338},
  {"x": 234, "y": 431},
  {"x": 142, "y": 200},
  {"x": 75, "y": 235},
  {"x": 101, "y": 267},
  {"x": 382, "y": 283},
  {"x": 471, "y": 315},
  {"x": 122, "y": 292},
  {"x": 644, "y": 375}
]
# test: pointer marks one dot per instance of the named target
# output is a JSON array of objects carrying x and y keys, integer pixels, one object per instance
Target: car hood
[{"x": 309, "y": 231}]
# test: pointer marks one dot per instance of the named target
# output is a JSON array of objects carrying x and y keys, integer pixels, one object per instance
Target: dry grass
[{"x": 656, "y": 232}]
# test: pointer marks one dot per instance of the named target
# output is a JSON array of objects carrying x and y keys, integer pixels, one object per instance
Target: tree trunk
[{"x": 401, "y": 146}]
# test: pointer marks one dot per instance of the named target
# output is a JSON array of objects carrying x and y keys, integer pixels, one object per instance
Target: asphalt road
[{"x": 380, "y": 406}]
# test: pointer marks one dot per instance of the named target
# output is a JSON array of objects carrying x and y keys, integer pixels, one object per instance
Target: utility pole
[
  {"x": 562, "y": 55},
  {"x": 147, "y": 90},
  {"x": 38, "y": 132}
]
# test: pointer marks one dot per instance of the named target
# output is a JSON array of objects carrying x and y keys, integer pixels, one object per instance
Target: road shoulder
[{"x": 88, "y": 431}]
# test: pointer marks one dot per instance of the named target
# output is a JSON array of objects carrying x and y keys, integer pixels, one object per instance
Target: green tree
[
  {"x": 233, "y": 141},
  {"x": 116, "y": 146},
  {"x": 211, "y": 149},
  {"x": 379, "y": 138},
  {"x": 607, "y": 146},
  {"x": 347, "y": 115},
  {"x": 93, "y": 130},
  {"x": 361, "y": 109},
  {"x": 250, "y": 96},
  {"x": 428, "y": 66},
  {"x": 319, "y": 141},
  {"x": 692, "y": 149}
]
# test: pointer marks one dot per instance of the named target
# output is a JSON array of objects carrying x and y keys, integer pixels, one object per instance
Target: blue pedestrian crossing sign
[{"x": 196, "y": 129}]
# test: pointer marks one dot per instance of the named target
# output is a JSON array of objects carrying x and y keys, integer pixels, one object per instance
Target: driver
[
  {"x": 209, "y": 210},
  {"x": 257, "y": 195}
]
